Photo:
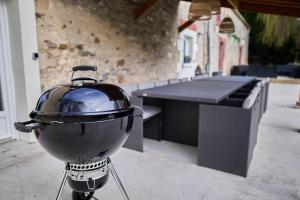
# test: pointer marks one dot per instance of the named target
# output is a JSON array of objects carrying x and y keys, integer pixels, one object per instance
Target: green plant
[
  {"x": 235, "y": 38},
  {"x": 273, "y": 39},
  {"x": 277, "y": 30}
]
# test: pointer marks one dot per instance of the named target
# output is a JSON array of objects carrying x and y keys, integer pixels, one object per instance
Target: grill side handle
[{"x": 28, "y": 126}]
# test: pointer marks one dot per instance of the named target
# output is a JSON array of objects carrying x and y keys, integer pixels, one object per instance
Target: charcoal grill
[{"x": 82, "y": 123}]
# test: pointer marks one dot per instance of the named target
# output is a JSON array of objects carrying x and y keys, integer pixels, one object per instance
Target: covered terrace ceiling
[{"x": 276, "y": 7}]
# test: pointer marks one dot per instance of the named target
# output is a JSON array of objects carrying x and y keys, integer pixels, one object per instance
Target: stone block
[{"x": 63, "y": 46}]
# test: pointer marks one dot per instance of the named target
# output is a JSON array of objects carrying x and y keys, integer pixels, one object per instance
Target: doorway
[
  {"x": 6, "y": 84},
  {"x": 221, "y": 55}
]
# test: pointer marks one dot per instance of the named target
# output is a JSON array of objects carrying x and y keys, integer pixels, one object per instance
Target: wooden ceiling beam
[
  {"x": 185, "y": 25},
  {"x": 234, "y": 3},
  {"x": 273, "y": 3},
  {"x": 290, "y": 3},
  {"x": 224, "y": 3},
  {"x": 144, "y": 7},
  {"x": 275, "y": 10},
  {"x": 275, "y": 7}
]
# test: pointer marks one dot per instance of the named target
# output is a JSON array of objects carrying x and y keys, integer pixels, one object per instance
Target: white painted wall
[
  {"x": 23, "y": 42},
  {"x": 7, "y": 114},
  {"x": 187, "y": 69},
  {"x": 231, "y": 56}
]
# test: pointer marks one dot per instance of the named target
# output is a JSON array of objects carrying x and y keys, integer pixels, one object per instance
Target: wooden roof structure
[{"x": 276, "y": 7}]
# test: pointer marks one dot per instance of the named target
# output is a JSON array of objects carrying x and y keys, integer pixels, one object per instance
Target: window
[
  {"x": 187, "y": 49},
  {"x": 1, "y": 101},
  {"x": 221, "y": 55},
  {"x": 240, "y": 55}
]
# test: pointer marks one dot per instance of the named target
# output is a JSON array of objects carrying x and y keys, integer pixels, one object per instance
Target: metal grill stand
[
  {"x": 90, "y": 195},
  {"x": 117, "y": 179}
]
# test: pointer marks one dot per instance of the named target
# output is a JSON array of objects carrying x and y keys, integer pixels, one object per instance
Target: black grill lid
[{"x": 82, "y": 101}]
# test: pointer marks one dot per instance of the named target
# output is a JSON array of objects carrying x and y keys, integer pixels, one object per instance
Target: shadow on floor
[{"x": 174, "y": 151}]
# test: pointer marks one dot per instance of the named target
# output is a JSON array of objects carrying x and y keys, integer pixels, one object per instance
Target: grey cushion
[
  {"x": 146, "y": 85},
  {"x": 248, "y": 103},
  {"x": 161, "y": 83},
  {"x": 199, "y": 77},
  {"x": 264, "y": 81},
  {"x": 186, "y": 79},
  {"x": 130, "y": 88},
  {"x": 256, "y": 90},
  {"x": 260, "y": 83},
  {"x": 150, "y": 111},
  {"x": 173, "y": 81}
]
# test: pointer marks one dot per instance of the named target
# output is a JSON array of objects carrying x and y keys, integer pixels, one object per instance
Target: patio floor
[{"x": 167, "y": 171}]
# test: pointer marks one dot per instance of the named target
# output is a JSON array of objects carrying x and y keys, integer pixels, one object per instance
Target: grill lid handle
[
  {"x": 85, "y": 68},
  {"x": 84, "y": 79}
]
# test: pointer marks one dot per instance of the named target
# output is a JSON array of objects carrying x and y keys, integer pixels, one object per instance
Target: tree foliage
[
  {"x": 277, "y": 30},
  {"x": 273, "y": 39}
]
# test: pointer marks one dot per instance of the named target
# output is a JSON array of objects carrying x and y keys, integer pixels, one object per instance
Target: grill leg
[
  {"x": 63, "y": 182},
  {"x": 117, "y": 179}
]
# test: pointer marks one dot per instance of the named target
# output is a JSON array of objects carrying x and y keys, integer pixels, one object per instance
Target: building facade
[
  {"x": 202, "y": 45},
  {"x": 129, "y": 50},
  {"x": 41, "y": 40},
  {"x": 19, "y": 69}
]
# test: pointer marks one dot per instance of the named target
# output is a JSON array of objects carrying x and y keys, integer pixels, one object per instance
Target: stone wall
[{"x": 106, "y": 34}]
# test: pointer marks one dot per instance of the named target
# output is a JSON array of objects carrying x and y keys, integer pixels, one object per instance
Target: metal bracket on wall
[
  {"x": 142, "y": 9},
  {"x": 35, "y": 56}
]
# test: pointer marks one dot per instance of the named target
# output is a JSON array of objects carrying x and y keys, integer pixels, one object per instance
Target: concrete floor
[{"x": 167, "y": 171}]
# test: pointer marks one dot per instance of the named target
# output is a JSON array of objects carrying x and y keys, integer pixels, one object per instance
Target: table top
[
  {"x": 202, "y": 91},
  {"x": 243, "y": 79}
]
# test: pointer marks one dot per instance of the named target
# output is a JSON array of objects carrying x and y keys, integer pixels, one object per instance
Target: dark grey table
[
  {"x": 186, "y": 119},
  {"x": 201, "y": 91}
]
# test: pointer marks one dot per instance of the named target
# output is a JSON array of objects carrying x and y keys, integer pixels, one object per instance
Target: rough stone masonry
[{"x": 106, "y": 34}]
